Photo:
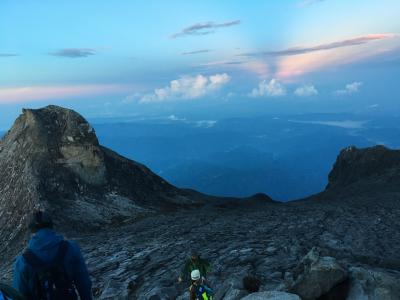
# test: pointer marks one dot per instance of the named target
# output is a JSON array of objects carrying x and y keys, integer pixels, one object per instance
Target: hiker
[
  {"x": 195, "y": 262},
  {"x": 51, "y": 267},
  {"x": 9, "y": 293},
  {"x": 199, "y": 289}
]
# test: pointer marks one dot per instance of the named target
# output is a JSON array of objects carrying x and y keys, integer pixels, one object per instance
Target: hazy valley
[{"x": 287, "y": 157}]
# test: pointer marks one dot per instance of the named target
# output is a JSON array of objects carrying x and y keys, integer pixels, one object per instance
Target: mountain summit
[
  {"x": 51, "y": 159},
  {"x": 355, "y": 165}
]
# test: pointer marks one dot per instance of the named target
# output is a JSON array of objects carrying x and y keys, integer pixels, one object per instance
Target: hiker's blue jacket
[{"x": 44, "y": 244}]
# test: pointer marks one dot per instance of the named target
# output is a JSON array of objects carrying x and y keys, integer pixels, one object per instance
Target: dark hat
[{"x": 40, "y": 219}]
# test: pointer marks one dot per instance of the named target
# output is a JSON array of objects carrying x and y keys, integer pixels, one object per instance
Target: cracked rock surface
[{"x": 267, "y": 241}]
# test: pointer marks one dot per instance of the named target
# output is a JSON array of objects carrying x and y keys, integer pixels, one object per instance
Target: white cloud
[
  {"x": 350, "y": 88},
  {"x": 310, "y": 2},
  {"x": 206, "y": 123},
  {"x": 273, "y": 88},
  {"x": 373, "y": 106},
  {"x": 175, "y": 118},
  {"x": 306, "y": 90},
  {"x": 188, "y": 87},
  {"x": 130, "y": 98},
  {"x": 343, "y": 124}
]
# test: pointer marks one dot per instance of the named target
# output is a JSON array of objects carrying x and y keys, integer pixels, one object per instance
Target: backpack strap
[
  {"x": 9, "y": 293},
  {"x": 32, "y": 259},
  {"x": 3, "y": 296},
  {"x": 62, "y": 250}
]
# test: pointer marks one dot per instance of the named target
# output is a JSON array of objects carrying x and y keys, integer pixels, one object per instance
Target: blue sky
[{"x": 115, "y": 58}]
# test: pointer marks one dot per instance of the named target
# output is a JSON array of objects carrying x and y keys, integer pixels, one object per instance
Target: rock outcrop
[
  {"x": 316, "y": 276},
  {"x": 376, "y": 164},
  {"x": 51, "y": 159},
  {"x": 374, "y": 284}
]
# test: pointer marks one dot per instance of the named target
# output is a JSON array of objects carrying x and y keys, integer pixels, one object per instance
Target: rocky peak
[
  {"x": 50, "y": 126},
  {"x": 51, "y": 159},
  {"x": 62, "y": 136},
  {"x": 353, "y": 165}
]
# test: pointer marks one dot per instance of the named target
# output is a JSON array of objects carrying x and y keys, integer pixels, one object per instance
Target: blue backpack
[
  {"x": 52, "y": 282},
  {"x": 203, "y": 292},
  {"x": 3, "y": 297},
  {"x": 9, "y": 293}
]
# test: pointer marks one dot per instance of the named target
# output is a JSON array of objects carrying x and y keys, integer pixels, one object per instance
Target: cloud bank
[
  {"x": 188, "y": 87},
  {"x": 350, "y": 89},
  {"x": 196, "y": 52},
  {"x": 328, "y": 46},
  {"x": 74, "y": 52},
  {"x": 272, "y": 89},
  {"x": 306, "y": 90},
  {"x": 203, "y": 28},
  {"x": 8, "y": 54},
  {"x": 39, "y": 93}
]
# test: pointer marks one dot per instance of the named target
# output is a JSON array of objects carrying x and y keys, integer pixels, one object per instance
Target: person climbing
[
  {"x": 199, "y": 289},
  {"x": 9, "y": 293},
  {"x": 195, "y": 262},
  {"x": 51, "y": 267}
]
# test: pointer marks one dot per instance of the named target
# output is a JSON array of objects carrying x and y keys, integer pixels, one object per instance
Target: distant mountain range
[
  {"x": 280, "y": 156},
  {"x": 287, "y": 157}
]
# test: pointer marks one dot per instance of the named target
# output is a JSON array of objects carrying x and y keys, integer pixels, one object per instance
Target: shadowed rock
[
  {"x": 355, "y": 164},
  {"x": 316, "y": 276},
  {"x": 272, "y": 295},
  {"x": 374, "y": 284}
]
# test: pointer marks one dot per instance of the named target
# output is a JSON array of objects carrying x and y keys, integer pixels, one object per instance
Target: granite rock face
[
  {"x": 317, "y": 275},
  {"x": 354, "y": 165},
  {"x": 51, "y": 159},
  {"x": 136, "y": 230},
  {"x": 374, "y": 284}
]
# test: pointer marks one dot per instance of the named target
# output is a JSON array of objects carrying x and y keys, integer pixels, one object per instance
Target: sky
[{"x": 131, "y": 58}]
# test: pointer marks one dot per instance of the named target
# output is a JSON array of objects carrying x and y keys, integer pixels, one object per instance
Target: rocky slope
[{"x": 339, "y": 244}]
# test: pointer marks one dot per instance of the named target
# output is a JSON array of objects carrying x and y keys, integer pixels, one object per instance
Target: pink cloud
[
  {"x": 37, "y": 93},
  {"x": 296, "y": 65},
  {"x": 355, "y": 41},
  {"x": 259, "y": 67}
]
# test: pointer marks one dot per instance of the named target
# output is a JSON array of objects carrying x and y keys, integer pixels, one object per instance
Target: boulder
[
  {"x": 234, "y": 294},
  {"x": 316, "y": 276},
  {"x": 251, "y": 284},
  {"x": 185, "y": 296},
  {"x": 373, "y": 284},
  {"x": 231, "y": 289},
  {"x": 271, "y": 295}
]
